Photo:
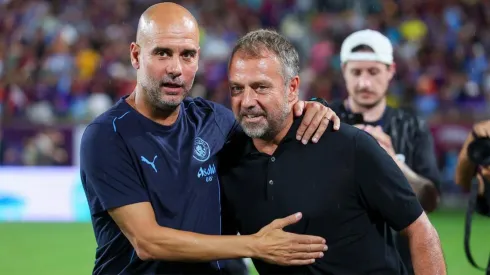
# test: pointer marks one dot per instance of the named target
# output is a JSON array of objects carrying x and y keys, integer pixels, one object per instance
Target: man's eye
[{"x": 189, "y": 55}]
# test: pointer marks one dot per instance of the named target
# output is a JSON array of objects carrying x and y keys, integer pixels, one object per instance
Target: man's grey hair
[{"x": 260, "y": 42}]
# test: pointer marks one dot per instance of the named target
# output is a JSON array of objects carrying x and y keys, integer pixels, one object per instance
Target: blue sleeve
[
  {"x": 226, "y": 121},
  {"x": 108, "y": 170},
  {"x": 383, "y": 187}
]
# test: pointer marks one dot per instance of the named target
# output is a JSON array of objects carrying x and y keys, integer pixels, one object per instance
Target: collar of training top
[{"x": 290, "y": 136}]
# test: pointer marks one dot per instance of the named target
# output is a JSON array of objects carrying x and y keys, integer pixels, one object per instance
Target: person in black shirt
[
  {"x": 368, "y": 67},
  {"x": 346, "y": 186}
]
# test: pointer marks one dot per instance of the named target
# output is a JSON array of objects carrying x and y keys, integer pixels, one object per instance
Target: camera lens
[{"x": 479, "y": 151}]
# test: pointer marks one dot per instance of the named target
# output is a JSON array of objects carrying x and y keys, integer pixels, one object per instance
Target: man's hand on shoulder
[{"x": 316, "y": 119}]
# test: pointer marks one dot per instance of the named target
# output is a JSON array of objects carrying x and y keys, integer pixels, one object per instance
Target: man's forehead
[
  {"x": 244, "y": 69},
  {"x": 261, "y": 60},
  {"x": 171, "y": 42},
  {"x": 185, "y": 29}
]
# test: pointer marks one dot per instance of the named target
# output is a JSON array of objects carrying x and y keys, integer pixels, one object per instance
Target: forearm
[
  {"x": 465, "y": 169},
  {"x": 426, "y": 252},
  {"x": 174, "y": 245},
  {"x": 424, "y": 189}
]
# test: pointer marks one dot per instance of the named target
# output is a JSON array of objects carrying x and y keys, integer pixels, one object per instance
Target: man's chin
[
  {"x": 253, "y": 131},
  {"x": 172, "y": 100},
  {"x": 368, "y": 104},
  {"x": 167, "y": 105}
]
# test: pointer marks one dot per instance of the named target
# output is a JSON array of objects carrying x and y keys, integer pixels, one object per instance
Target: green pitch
[{"x": 60, "y": 249}]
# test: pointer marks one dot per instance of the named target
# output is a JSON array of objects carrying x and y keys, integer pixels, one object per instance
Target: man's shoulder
[
  {"x": 404, "y": 117},
  {"x": 206, "y": 113},
  {"x": 344, "y": 135},
  {"x": 236, "y": 147},
  {"x": 203, "y": 106},
  {"x": 108, "y": 118},
  {"x": 108, "y": 126},
  {"x": 405, "y": 114}
]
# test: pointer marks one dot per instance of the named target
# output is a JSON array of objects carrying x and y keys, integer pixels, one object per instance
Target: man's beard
[
  {"x": 154, "y": 96},
  {"x": 268, "y": 129}
]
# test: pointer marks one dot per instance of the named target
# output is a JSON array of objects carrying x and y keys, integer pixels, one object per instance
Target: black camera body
[
  {"x": 352, "y": 118},
  {"x": 479, "y": 151}
]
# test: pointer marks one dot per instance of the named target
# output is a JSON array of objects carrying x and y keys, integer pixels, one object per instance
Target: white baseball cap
[{"x": 381, "y": 45}]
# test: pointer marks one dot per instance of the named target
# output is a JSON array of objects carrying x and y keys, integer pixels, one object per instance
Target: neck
[
  {"x": 269, "y": 146},
  {"x": 140, "y": 103},
  {"x": 371, "y": 114}
]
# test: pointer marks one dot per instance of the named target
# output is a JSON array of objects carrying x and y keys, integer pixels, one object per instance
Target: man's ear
[
  {"x": 134, "y": 54},
  {"x": 392, "y": 70},
  {"x": 293, "y": 89}
]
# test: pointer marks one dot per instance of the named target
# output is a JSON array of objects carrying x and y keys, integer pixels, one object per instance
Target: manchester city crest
[{"x": 201, "y": 150}]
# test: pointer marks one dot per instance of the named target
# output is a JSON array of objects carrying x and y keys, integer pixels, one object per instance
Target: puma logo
[{"x": 152, "y": 164}]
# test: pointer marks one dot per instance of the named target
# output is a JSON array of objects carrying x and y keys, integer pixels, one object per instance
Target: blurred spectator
[{"x": 41, "y": 147}]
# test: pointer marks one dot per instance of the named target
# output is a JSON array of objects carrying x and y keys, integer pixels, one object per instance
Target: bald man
[{"x": 148, "y": 166}]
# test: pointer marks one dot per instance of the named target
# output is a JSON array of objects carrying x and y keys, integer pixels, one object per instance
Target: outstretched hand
[{"x": 278, "y": 247}]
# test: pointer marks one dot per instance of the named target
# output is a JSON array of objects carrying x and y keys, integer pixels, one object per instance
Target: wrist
[{"x": 251, "y": 246}]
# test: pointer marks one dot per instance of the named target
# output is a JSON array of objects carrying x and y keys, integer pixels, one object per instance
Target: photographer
[
  {"x": 474, "y": 160},
  {"x": 368, "y": 67},
  {"x": 467, "y": 169}
]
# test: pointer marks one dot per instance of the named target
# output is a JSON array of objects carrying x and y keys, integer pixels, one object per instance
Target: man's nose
[
  {"x": 364, "y": 81},
  {"x": 249, "y": 98},
  {"x": 174, "y": 69}
]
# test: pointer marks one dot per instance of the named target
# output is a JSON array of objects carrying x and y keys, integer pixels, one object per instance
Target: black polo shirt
[{"x": 348, "y": 188}]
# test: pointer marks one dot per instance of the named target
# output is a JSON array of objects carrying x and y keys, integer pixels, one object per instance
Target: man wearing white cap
[{"x": 368, "y": 67}]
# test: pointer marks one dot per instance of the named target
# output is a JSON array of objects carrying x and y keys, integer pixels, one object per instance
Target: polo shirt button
[
  {"x": 273, "y": 159},
  {"x": 271, "y": 182}
]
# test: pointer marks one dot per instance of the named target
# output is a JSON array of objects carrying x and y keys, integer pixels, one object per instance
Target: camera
[
  {"x": 352, "y": 118},
  {"x": 479, "y": 151}
]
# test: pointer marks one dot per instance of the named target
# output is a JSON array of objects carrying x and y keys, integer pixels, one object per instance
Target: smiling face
[
  {"x": 166, "y": 55},
  {"x": 261, "y": 99}
]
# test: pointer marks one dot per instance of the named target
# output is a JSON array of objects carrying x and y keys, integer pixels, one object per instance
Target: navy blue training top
[{"x": 127, "y": 158}]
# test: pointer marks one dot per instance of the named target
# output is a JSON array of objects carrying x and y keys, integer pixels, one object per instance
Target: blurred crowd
[
  {"x": 45, "y": 147},
  {"x": 65, "y": 61},
  {"x": 68, "y": 59}
]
